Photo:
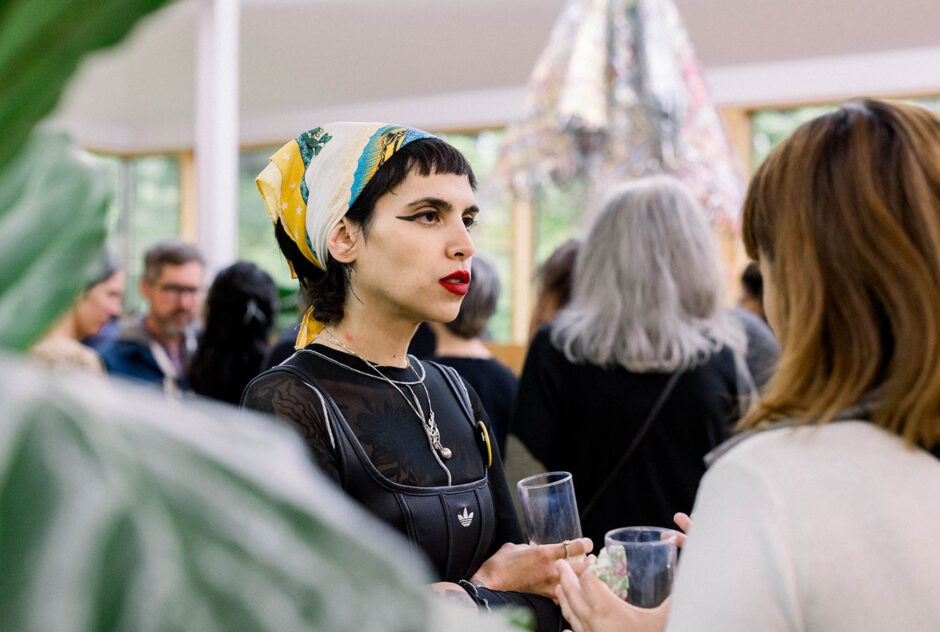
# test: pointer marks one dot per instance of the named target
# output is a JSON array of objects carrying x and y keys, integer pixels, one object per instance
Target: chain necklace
[
  {"x": 363, "y": 373},
  {"x": 429, "y": 424}
]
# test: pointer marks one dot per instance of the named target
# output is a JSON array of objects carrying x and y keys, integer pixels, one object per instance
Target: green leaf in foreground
[
  {"x": 41, "y": 45},
  {"x": 53, "y": 206}
]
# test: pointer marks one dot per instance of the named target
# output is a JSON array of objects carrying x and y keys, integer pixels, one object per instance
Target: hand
[
  {"x": 530, "y": 568},
  {"x": 683, "y": 521},
  {"x": 589, "y": 605}
]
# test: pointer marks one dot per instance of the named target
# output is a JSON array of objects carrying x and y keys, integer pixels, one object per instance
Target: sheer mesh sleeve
[{"x": 287, "y": 396}]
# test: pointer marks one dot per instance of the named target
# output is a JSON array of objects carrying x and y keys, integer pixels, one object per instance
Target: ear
[
  {"x": 145, "y": 289},
  {"x": 343, "y": 241}
]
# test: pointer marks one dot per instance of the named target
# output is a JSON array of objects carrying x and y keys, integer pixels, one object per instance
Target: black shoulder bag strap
[
  {"x": 453, "y": 379},
  {"x": 654, "y": 411}
]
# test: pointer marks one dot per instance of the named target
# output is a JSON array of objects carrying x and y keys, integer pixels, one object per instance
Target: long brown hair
[{"x": 846, "y": 213}]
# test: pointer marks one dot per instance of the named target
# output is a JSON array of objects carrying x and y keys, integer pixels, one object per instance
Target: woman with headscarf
[
  {"x": 373, "y": 220},
  {"x": 637, "y": 377}
]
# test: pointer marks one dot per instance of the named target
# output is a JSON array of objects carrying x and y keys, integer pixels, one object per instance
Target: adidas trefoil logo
[{"x": 465, "y": 518}]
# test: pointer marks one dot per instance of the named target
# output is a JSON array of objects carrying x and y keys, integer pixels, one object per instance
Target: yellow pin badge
[{"x": 486, "y": 441}]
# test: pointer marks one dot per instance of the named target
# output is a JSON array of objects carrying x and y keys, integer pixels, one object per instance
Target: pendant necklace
[{"x": 429, "y": 424}]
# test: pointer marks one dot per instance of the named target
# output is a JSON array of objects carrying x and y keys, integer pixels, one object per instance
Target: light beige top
[{"x": 63, "y": 352}]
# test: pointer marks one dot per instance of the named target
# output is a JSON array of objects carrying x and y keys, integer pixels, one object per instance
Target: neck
[
  {"x": 454, "y": 346},
  {"x": 173, "y": 343},
  {"x": 67, "y": 327},
  {"x": 377, "y": 340}
]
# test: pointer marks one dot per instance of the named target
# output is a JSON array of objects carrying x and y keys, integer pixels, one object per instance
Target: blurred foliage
[
  {"x": 119, "y": 513},
  {"x": 53, "y": 203},
  {"x": 41, "y": 45},
  {"x": 53, "y": 209}
]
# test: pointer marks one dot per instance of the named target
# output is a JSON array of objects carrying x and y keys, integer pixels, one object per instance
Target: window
[
  {"x": 145, "y": 211},
  {"x": 770, "y": 127}
]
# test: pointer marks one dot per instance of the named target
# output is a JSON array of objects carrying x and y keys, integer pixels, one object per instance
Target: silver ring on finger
[{"x": 565, "y": 544}]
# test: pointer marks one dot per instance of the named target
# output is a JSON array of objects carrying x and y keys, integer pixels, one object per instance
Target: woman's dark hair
[
  {"x": 326, "y": 290},
  {"x": 479, "y": 303},
  {"x": 752, "y": 281},
  {"x": 241, "y": 307},
  {"x": 105, "y": 268}
]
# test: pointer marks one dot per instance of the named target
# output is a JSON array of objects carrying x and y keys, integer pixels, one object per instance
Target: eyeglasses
[{"x": 179, "y": 290}]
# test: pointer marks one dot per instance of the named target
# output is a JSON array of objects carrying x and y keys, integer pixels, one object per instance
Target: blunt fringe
[
  {"x": 846, "y": 213},
  {"x": 647, "y": 284}
]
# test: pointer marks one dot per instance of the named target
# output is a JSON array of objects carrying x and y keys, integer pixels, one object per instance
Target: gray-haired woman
[{"x": 636, "y": 379}]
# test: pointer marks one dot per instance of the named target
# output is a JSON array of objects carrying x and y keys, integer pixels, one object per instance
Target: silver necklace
[
  {"x": 429, "y": 424},
  {"x": 362, "y": 373}
]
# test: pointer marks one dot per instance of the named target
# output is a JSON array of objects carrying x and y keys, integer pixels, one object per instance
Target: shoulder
[
  {"x": 450, "y": 377},
  {"x": 129, "y": 357},
  {"x": 64, "y": 352},
  {"x": 836, "y": 451},
  {"x": 542, "y": 348},
  {"x": 286, "y": 393}
]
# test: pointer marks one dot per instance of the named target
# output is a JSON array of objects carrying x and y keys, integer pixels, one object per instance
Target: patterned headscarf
[{"x": 313, "y": 180}]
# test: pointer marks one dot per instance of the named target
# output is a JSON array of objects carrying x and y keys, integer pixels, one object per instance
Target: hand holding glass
[
  {"x": 549, "y": 508},
  {"x": 648, "y": 556}
]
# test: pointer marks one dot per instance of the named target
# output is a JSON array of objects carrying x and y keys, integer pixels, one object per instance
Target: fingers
[
  {"x": 580, "y": 566},
  {"x": 682, "y": 521},
  {"x": 569, "y": 595},
  {"x": 581, "y": 546}
]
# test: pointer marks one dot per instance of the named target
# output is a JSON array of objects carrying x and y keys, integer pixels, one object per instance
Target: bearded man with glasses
[{"x": 156, "y": 348}]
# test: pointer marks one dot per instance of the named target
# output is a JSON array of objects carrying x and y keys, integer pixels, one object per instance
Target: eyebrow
[{"x": 443, "y": 205}]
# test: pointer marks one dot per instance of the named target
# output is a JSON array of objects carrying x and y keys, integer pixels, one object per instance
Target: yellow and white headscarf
[{"x": 311, "y": 182}]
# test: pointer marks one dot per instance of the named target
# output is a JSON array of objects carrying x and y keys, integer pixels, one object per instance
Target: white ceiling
[{"x": 463, "y": 63}]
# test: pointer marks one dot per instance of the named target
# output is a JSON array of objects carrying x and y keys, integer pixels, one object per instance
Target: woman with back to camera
[
  {"x": 240, "y": 310},
  {"x": 636, "y": 379},
  {"x": 459, "y": 346},
  {"x": 824, "y": 514},
  {"x": 373, "y": 219}
]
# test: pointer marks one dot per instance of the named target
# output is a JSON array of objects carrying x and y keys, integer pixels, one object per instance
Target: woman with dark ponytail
[{"x": 240, "y": 312}]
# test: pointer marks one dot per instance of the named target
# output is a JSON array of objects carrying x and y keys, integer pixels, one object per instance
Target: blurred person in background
[
  {"x": 638, "y": 377},
  {"x": 156, "y": 347},
  {"x": 240, "y": 311},
  {"x": 554, "y": 285},
  {"x": 459, "y": 345},
  {"x": 95, "y": 307},
  {"x": 752, "y": 291}
]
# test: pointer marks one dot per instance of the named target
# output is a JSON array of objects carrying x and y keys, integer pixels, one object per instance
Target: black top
[
  {"x": 581, "y": 418},
  {"x": 422, "y": 345},
  {"x": 496, "y": 385},
  {"x": 393, "y": 439},
  {"x": 763, "y": 350}
]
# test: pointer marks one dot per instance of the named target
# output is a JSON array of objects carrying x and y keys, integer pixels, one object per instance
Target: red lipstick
[{"x": 457, "y": 282}]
